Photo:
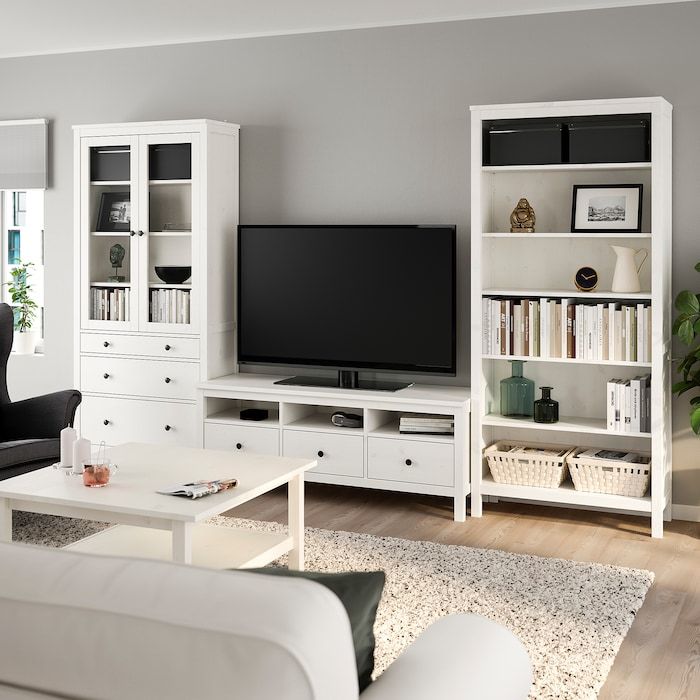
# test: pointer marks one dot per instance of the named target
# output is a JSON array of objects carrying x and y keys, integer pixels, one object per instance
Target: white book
[
  {"x": 606, "y": 333},
  {"x": 628, "y": 406},
  {"x": 580, "y": 344},
  {"x": 188, "y": 296},
  {"x": 518, "y": 329},
  {"x": 641, "y": 334},
  {"x": 618, "y": 335},
  {"x": 588, "y": 323},
  {"x": 485, "y": 326},
  {"x": 562, "y": 341},
  {"x": 612, "y": 306},
  {"x": 555, "y": 335},
  {"x": 610, "y": 401},
  {"x": 544, "y": 328},
  {"x": 509, "y": 326},
  {"x": 600, "y": 332},
  {"x": 627, "y": 332},
  {"x": 619, "y": 420},
  {"x": 635, "y": 405},
  {"x": 535, "y": 328},
  {"x": 647, "y": 326},
  {"x": 495, "y": 327}
]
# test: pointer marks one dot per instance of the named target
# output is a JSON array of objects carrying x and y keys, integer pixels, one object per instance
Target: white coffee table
[{"x": 168, "y": 527}]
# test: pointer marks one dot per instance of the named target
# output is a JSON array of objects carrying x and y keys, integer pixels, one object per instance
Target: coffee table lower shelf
[{"x": 213, "y": 547}]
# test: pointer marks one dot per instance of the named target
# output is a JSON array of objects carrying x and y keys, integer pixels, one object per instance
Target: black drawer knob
[
  {"x": 168, "y": 380},
  {"x": 141, "y": 233},
  {"x": 167, "y": 427},
  {"x": 167, "y": 347},
  {"x": 132, "y": 233},
  {"x": 408, "y": 462},
  {"x": 105, "y": 422},
  {"x": 320, "y": 453},
  {"x": 105, "y": 375},
  {"x": 239, "y": 446},
  {"x": 106, "y": 344}
]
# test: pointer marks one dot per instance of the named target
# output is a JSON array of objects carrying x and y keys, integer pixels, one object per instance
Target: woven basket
[
  {"x": 526, "y": 470},
  {"x": 609, "y": 476}
]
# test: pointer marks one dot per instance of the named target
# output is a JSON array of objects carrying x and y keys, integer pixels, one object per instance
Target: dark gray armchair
[{"x": 29, "y": 429}]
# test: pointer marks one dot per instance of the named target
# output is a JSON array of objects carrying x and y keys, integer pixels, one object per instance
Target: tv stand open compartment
[{"x": 346, "y": 379}]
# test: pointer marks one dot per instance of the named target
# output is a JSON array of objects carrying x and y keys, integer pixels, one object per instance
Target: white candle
[
  {"x": 68, "y": 437},
  {"x": 81, "y": 454}
]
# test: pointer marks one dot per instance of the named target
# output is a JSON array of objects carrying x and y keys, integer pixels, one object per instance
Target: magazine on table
[{"x": 197, "y": 489}]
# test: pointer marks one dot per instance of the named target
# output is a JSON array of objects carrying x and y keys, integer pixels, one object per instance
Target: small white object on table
[{"x": 158, "y": 526}]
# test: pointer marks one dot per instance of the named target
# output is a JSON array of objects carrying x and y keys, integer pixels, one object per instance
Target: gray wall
[{"x": 364, "y": 126}]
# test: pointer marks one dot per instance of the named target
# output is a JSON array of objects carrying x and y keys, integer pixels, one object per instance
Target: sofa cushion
[
  {"x": 360, "y": 593},
  {"x": 23, "y": 451}
]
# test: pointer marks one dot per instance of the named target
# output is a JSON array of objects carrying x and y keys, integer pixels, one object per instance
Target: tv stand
[
  {"x": 347, "y": 379},
  {"x": 376, "y": 455}
]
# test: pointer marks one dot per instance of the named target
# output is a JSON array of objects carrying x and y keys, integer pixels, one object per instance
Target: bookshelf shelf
[
  {"x": 110, "y": 183},
  {"x": 563, "y": 234},
  {"x": 506, "y": 266},
  {"x": 566, "y": 424},
  {"x": 111, "y": 285},
  {"x": 110, "y": 234},
  {"x": 565, "y": 293},
  {"x": 570, "y": 360},
  {"x": 564, "y": 167},
  {"x": 162, "y": 285}
]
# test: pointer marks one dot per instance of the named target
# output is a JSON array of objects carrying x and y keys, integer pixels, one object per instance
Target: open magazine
[{"x": 197, "y": 489}]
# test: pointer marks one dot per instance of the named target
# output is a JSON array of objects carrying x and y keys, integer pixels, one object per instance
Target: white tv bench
[{"x": 375, "y": 456}]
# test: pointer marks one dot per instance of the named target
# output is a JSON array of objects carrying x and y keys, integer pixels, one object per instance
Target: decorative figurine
[
  {"x": 522, "y": 220},
  {"x": 116, "y": 258}
]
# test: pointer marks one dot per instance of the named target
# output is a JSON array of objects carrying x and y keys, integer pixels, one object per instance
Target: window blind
[{"x": 24, "y": 154}]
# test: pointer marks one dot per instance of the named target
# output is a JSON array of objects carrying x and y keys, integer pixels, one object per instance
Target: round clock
[{"x": 586, "y": 279}]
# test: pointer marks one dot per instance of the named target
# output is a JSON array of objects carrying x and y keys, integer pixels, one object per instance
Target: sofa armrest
[
  {"x": 460, "y": 656},
  {"x": 39, "y": 417}
]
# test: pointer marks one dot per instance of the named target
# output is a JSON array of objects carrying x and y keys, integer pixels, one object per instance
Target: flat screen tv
[{"x": 350, "y": 298}]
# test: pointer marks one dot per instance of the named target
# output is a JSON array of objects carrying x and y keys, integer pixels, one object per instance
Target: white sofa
[{"x": 76, "y": 625}]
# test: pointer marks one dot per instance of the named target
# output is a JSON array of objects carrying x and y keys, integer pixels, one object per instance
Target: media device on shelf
[{"x": 349, "y": 298}]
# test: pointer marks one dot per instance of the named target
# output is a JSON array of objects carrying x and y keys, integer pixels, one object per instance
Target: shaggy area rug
[{"x": 571, "y": 616}]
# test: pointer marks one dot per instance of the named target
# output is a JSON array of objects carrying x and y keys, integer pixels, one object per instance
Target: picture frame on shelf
[
  {"x": 606, "y": 209},
  {"x": 115, "y": 212}
]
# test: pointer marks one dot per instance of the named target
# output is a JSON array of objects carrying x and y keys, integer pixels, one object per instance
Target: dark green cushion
[{"x": 359, "y": 592}]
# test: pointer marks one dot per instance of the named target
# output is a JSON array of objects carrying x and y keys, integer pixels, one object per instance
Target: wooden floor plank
[{"x": 660, "y": 657}]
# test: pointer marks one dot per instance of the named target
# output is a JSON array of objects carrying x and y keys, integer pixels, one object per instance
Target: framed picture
[
  {"x": 607, "y": 209},
  {"x": 115, "y": 212}
]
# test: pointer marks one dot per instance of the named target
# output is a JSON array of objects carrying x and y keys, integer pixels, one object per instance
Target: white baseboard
[{"x": 689, "y": 513}]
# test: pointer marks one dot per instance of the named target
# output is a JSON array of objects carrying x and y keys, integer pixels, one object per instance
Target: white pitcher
[{"x": 626, "y": 277}]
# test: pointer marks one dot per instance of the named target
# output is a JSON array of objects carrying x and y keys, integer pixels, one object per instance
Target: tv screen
[{"x": 355, "y": 297}]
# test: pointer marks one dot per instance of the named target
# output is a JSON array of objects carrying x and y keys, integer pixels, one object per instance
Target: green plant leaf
[
  {"x": 677, "y": 323},
  {"x": 685, "y": 332},
  {"x": 680, "y": 387},
  {"x": 695, "y": 400},
  {"x": 695, "y": 419},
  {"x": 687, "y": 303},
  {"x": 697, "y": 267}
]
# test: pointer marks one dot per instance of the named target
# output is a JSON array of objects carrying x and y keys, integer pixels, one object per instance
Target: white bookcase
[
  {"x": 542, "y": 264},
  {"x": 167, "y": 193}
]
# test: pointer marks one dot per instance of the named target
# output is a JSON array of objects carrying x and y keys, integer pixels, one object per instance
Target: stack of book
[
  {"x": 427, "y": 425},
  {"x": 170, "y": 306},
  {"x": 629, "y": 405},
  {"x": 109, "y": 304},
  {"x": 563, "y": 328}
]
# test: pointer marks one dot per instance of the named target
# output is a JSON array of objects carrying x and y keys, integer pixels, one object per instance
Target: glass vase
[
  {"x": 546, "y": 408},
  {"x": 517, "y": 392}
]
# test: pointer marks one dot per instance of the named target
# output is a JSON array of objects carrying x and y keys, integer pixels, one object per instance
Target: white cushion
[{"x": 113, "y": 628}]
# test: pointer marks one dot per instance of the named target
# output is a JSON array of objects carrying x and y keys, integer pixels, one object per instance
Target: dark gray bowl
[{"x": 174, "y": 274}]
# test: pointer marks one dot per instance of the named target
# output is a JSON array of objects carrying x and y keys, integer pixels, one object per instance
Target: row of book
[
  {"x": 426, "y": 425},
  {"x": 109, "y": 304},
  {"x": 629, "y": 405},
  {"x": 170, "y": 306},
  {"x": 563, "y": 328}
]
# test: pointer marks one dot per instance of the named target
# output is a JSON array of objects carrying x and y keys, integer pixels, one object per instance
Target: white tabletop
[{"x": 143, "y": 469}]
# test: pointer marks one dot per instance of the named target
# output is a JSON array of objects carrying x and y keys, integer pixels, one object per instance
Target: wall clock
[{"x": 586, "y": 279}]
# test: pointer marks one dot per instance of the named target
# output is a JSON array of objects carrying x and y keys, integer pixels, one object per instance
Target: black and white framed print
[
  {"x": 607, "y": 209},
  {"x": 115, "y": 212}
]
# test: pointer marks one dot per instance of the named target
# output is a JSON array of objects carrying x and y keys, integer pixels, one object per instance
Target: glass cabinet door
[
  {"x": 168, "y": 217},
  {"x": 108, "y": 237}
]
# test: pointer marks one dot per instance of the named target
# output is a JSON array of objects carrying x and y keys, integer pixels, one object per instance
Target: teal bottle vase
[{"x": 517, "y": 393}]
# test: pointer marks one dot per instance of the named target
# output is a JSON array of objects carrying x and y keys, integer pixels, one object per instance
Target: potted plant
[
  {"x": 24, "y": 309},
  {"x": 687, "y": 328}
]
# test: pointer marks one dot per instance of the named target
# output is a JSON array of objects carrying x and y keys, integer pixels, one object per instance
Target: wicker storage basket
[
  {"x": 609, "y": 476},
  {"x": 506, "y": 467}
]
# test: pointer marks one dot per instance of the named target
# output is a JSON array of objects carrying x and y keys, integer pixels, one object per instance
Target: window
[{"x": 22, "y": 217}]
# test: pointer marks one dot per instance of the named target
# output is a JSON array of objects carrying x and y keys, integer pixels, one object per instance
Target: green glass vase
[{"x": 517, "y": 393}]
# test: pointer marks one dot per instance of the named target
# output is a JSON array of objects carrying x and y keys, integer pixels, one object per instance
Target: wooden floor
[{"x": 660, "y": 657}]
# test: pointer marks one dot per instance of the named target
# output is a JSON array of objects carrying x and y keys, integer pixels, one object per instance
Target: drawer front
[
  {"x": 242, "y": 438},
  {"x": 156, "y": 378},
  {"x": 131, "y": 420},
  {"x": 151, "y": 346},
  {"x": 411, "y": 461},
  {"x": 341, "y": 455}
]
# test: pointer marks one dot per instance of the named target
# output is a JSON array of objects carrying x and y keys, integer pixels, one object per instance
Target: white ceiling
[{"x": 35, "y": 27}]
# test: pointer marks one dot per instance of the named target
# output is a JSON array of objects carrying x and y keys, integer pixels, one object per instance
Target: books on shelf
[
  {"x": 566, "y": 328},
  {"x": 628, "y": 404},
  {"x": 110, "y": 303},
  {"x": 426, "y": 425},
  {"x": 169, "y": 306}
]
